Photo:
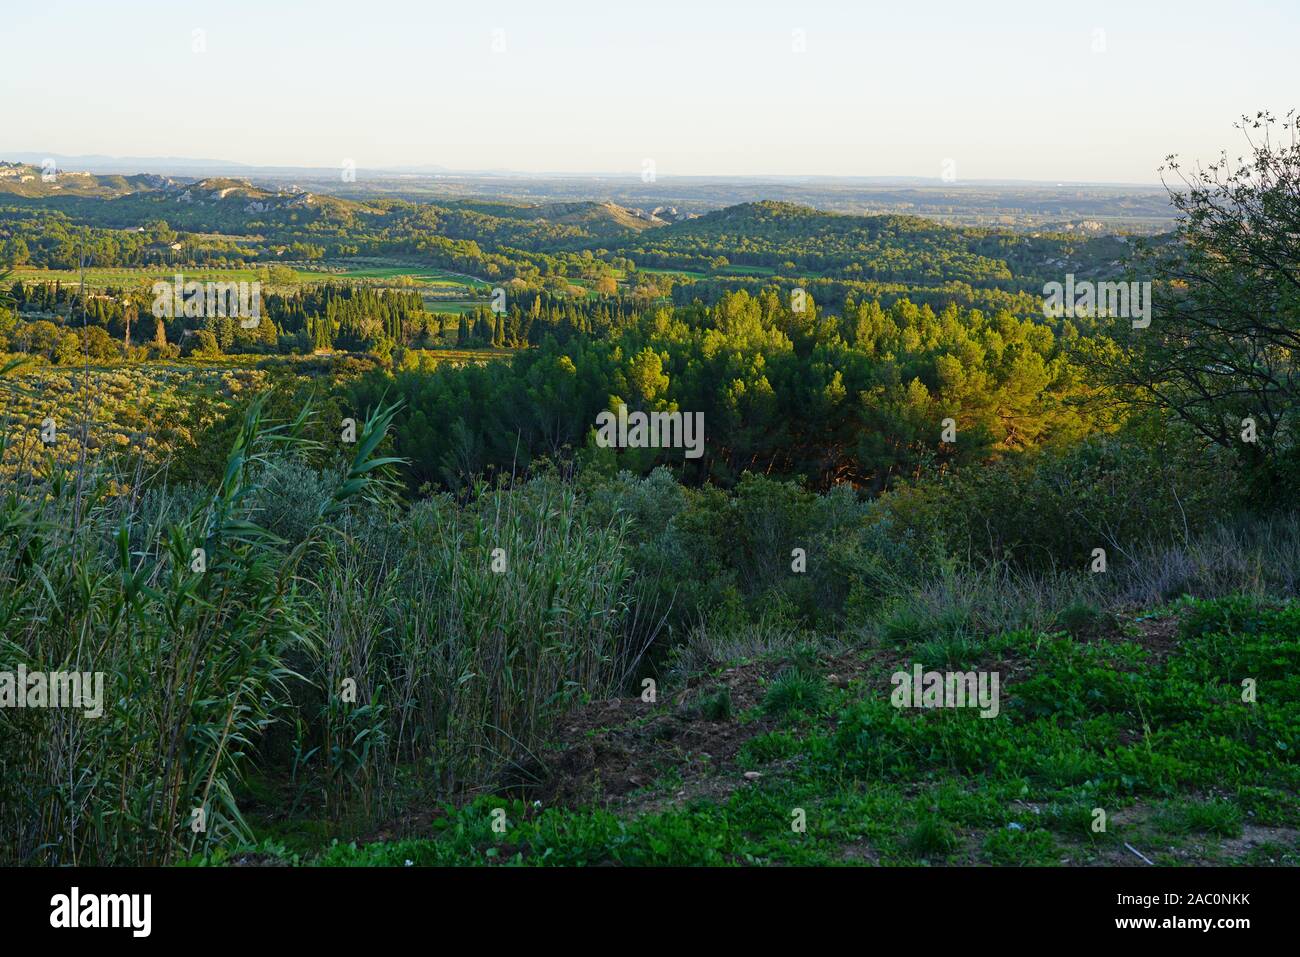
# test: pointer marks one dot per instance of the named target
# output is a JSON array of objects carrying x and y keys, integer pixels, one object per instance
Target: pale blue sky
[{"x": 1006, "y": 89}]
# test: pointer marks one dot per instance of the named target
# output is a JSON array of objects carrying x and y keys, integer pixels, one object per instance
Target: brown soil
[
  {"x": 635, "y": 757},
  {"x": 1159, "y": 636}
]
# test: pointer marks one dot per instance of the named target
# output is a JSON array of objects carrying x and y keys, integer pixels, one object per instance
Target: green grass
[
  {"x": 1215, "y": 816},
  {"x": 1084, "y": 727},
  {"x": 932, "y": 837},
  {"x": 716, "y": 706},
  {"x": 795, "y": 692}
]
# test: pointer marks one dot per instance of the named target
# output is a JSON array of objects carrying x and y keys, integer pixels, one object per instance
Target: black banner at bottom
[{"x": 335, "y": 906}]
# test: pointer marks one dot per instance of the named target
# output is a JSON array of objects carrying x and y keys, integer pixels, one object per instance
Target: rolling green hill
[{"x": 798, "y": 240}]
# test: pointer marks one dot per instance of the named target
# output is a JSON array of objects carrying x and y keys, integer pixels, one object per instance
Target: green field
[
  {"x": 124, "y": 277},
  {"x": 419, "y": 276},
  {"x": 453, "y": 306},
  {"x": 436, "y": 282}
]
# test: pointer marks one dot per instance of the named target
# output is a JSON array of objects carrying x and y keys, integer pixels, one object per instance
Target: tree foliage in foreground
[{"x": 1220, "y": 353}]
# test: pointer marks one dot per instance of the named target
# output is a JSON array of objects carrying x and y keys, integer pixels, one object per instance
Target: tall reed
[{"x": 192, "y": 623}]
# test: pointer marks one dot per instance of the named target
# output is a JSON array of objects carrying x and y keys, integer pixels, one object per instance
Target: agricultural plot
[
  {"x": 420, "y": 276},
  {"x": 148, "y": 410},
  {"x": 126, "y": 278},
  {"x": 434, "y": 282}
]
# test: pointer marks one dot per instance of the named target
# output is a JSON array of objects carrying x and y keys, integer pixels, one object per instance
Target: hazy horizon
[
  {"x": 219, "y": 166},
  {"x": 780, "y": 91}
]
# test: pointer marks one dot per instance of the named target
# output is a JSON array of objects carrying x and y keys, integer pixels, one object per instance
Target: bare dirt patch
[
  {"x": 1159, "y": 636},
  {"x": 633, "y": 757}
]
